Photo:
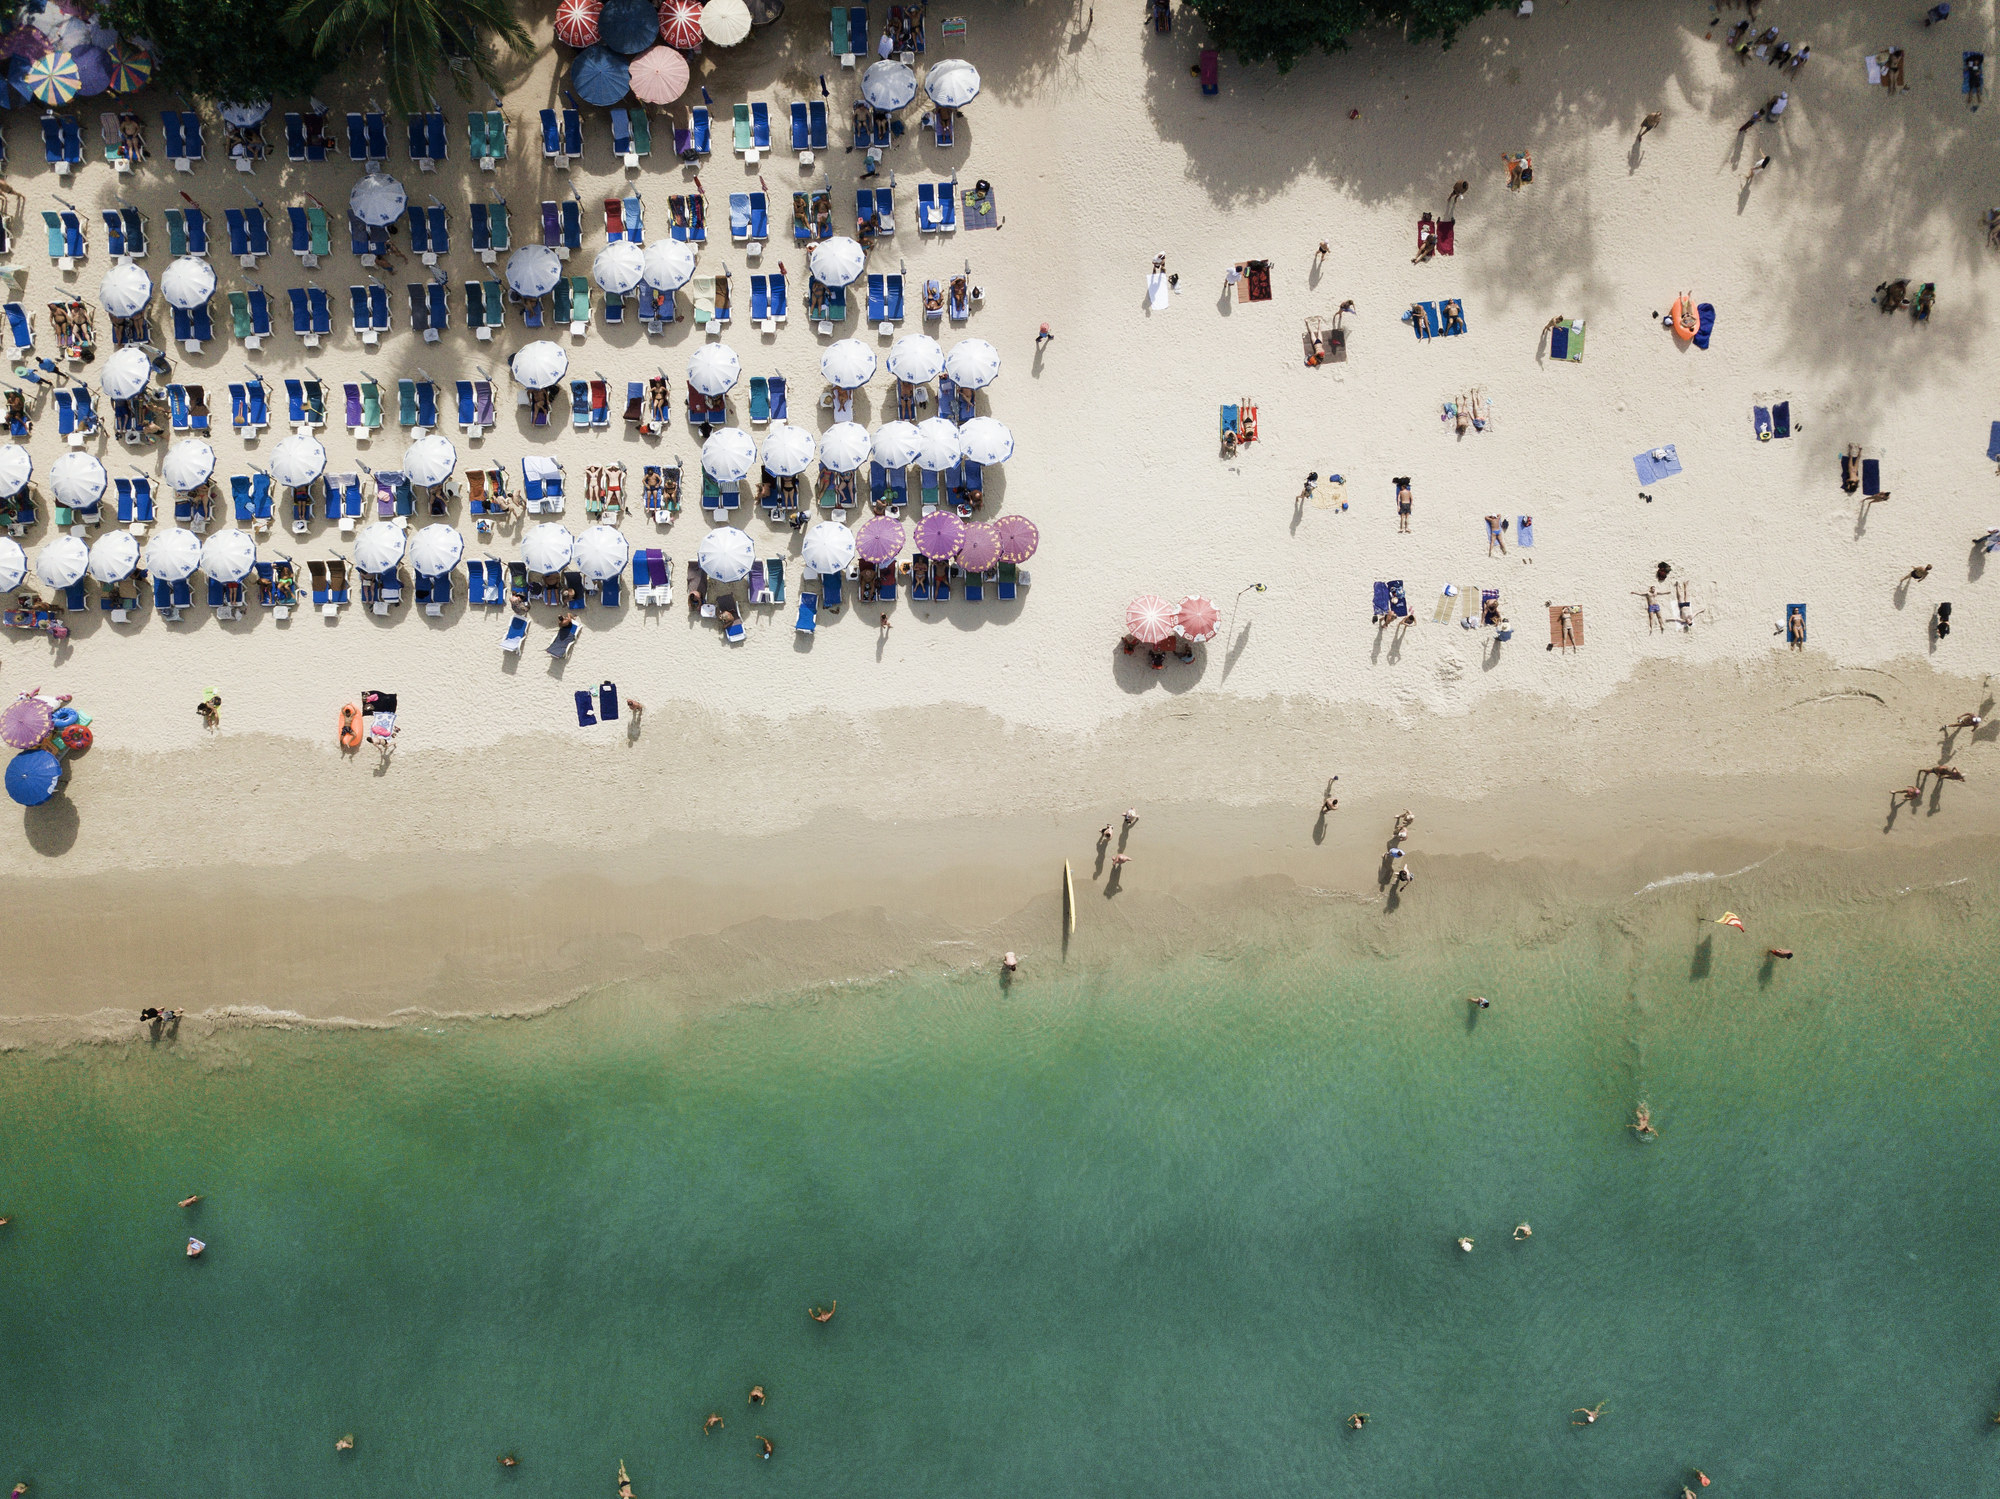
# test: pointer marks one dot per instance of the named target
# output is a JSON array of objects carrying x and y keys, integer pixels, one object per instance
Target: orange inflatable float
[
  {"x": 1683, "y": 317},
  {"x": 350, "y": 727}
]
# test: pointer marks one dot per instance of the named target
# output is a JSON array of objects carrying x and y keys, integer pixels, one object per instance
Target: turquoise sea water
[{"x": 1146, "y": 1236}]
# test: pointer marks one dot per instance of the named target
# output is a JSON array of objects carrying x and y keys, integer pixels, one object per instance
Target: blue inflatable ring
[{"x": 64, "y": 717}]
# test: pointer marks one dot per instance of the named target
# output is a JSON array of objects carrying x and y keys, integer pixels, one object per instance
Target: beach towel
[
  {"x": 982, "y": 209},
  {"x": 1381, "y": 601},
  {"x": 1210, "y": 66},
  {"x": 1566, "y": 340},
  {"x": 1524, "y": 530},
  {"x": 607, "y": 701},
  {"x": 1874, "y": 65},
  {"x": 1447, "y": 230},
  {"x": 1442, "y": 613},
  {"x": 1556, "y": 612},
  {"x": 585, "y": 708},
  {"x": 1706, "y": 312},
  {"x": 1257, "y": 280},
  {"x": 1781, "y": 420},
  {"x": 1993, "y": 443},
  {"x": 1156, "y": 292},
  {"x": 1871, "y": 476},
  {"x": 1656, "y": 464},
  {"x": 1760, "y": 422}
]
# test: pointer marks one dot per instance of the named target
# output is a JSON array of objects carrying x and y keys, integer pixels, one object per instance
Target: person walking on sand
[
  {"x": 1230, "y": 277},
  {"x": 1118, "y": 861},
  {"x": 1104, "y": 835},
  {"x": 1319, "y": 255},
  {"x": 1916, "y": 574},
  {"x": 1131, "y": 816},
  {"x": 1911, "y": 794},
  {"x": 1312, "y": 482},
  {"x": 1756, "y": 166},
  {"x": 636, "y": 708},
  {"x": 1963, "y": 721},
  {"x": 1648, "y": 124},
  {"x": 1042, "y": 337},
  {"x": 1458, "y": 190},
  {"x": 1946, "y": 773},
  {"x": 1740, "y": 129}
]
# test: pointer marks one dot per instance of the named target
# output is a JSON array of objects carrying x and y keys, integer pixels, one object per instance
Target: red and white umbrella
[
  {"x": 576, "y": 22},
  {"x": 680, "y": 24},
  {"x": 1150, "y": 619},
  {"x": 1197, "y": 618},
  {"x": 659, "y": 75}
]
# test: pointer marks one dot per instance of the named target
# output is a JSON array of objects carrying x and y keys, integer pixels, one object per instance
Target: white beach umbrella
[
  {"x": 77, "y": 480},
  {"x": 13, "y": 563},
  {"x": 430, "y": 460},
  {"x": 380, "y": 546},
  {"x": 973, "y": 363},
  {"x": 888, "y": 84},
  {"x": 435, "y": 550},
  {"x": 848, "y": 363},
  {"x": 844, "y": 447},
  {"x": 125, "y": 373},
  {"x": 298, "y": 460},
  {"x": 986, "y": 440},
  {"x": 938, "y": 447},
  {"x": 62, "y": 561},
  {"x": 548, "y": 548},
  {"x": 837, "y": 261},
  {"x": 952, "y": 82},
  {"x": 725, "y": 22},
  {"x": 620, "y": 267},
  {"x": 244, "y": 113},
  {"x": 713, "y": 369},
  {"x": 728, "y": 455},
  {"x": 188, "y": 282},
  {"x": 188, "y": 464},
  {"x": 377, "y": 199},
  {"x": 113, "y": 556},
  {"x": 788, "y": 450},
  {"x": 725, "y": 554},
  {"x": 916, "y": 358},
  {"x": 602, "y": 553},
  {"x": 533, "y": 270},
  {"x": 829, "y": 547},
  {"x": 228, "y": 556},
  {"x": 125, "y": 290},
  {"x": 895, "y": 444},
  {"x": 540, "y": 364},
  {"x": 17, "y": 466},
  {"x": 173, "y": 554},
  {"x": 669, "y": 264}
]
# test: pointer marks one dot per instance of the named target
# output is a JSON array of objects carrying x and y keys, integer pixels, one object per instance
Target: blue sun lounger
[{"x": 808, "y": 620}]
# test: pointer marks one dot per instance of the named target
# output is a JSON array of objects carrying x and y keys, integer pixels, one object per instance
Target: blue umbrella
[
  {"x": 94, "y": 67},
  {"x": 32, "y": 777},
  {"x": 600, "y": 76},
  {"x": 628, "y": 26},
  {"x": 17, "y": 80}
]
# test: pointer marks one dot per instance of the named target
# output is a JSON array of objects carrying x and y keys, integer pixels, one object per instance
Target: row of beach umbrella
[
  {"x": 58, "y": 77},
  {"x": 78, "y": 480},
  {"x": 726, "y": 553},
  {"x": 730, "y": 454}
]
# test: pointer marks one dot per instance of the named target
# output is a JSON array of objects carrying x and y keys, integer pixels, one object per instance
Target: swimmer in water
[
  {"x": 756, "y": 1394},
  {"x": 1465, "y": 1243},
  {"x": 765, "y": 1443},
  {"x": 1642, "y": 1123},
  {"x": 1480, "y": 1000},
  {"x": 195, "y": 1247},
  {"x": 1522, "y": 1231},
  {"x": 1589, "y": 1413},
  {"x": 188, "y": 1202},
  {"x": 624, "y": 1482},
  {"x": 508, "y": 1460},
  {"x": 1778, "y": 952},
  {"x": 711, "y": 1423},
  {"x": 822, "y": 1316},
  {"x": 345, "y": 1444},
  {"x": 1358, "y": 1420}
]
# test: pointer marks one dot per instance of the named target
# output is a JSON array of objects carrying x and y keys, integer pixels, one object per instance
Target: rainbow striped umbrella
[
  {"x": 54, "y": 79},
  {"x": 131, "y": 68}
]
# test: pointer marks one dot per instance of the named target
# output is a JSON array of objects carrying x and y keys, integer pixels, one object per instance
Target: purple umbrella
[
  {"x": 94, "y": 68},
  {"x": 880, "y": 540},
  {"x": 1018, "y": 537},
  {"x": 980, "y": 549},
  {"x": 939, "y": 535},
  {"x": 26, "y": 723}
]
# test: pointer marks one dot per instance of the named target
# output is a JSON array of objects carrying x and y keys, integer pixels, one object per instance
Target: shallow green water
[{"x": 1085, "y": 1239}]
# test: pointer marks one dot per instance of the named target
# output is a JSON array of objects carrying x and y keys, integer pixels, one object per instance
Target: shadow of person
[
  {"x": 1704, "y": 958},
  {"x": 1767, "y": 971},
  {"x": 1113, "y": 885},
  {"x": 52, "y": 827}
]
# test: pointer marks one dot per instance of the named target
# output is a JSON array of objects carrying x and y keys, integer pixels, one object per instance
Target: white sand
[{"x": 1103, "y": 153}]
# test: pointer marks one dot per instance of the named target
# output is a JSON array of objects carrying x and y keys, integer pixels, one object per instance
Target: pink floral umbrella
[
  {"x": 1197, "y": 618},
  {"x": 1150, "y": 618},
  {"x": 880, "y": 540},
  {"x": 659, "y": 76},
  {"x": 680, "y": 24},
  {"x": 26, "y": 723},
  {"x": 980, "y": 549},
  {"x": 1018, "y": 538},
  {"x": 576, "y": 22},
  {"x": 939, "y": 535}
]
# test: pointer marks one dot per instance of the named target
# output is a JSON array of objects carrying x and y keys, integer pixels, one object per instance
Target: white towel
[
  {"x": 1874, "y": 70},
  {"x": 1157, "y": 292}
]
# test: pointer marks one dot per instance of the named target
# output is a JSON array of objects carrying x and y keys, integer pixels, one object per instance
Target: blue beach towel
[
  {"x": 1524, "y": 531},
  {"x": 584, "y": 714},
  {"x": 1781, "y": 420},
  {"x": 1871, "y": 476},
  {"x": 1800, "y": 611},
  {"x": 1381, "y": 600},
  {"x": 1651, "y": 469},
  {"x": 1706, "y": 312},
  {"x": 1760, "y": 421},
  {"x": 1993, "y": 443}
]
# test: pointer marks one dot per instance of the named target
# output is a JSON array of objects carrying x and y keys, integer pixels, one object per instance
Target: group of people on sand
[
  {"x": 1120, "y": 858},
  {"x": 1943, "y": 770}
]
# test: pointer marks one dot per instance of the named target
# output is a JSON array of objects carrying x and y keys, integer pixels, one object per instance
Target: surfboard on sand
[{"x": 1069, "y": 901}]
